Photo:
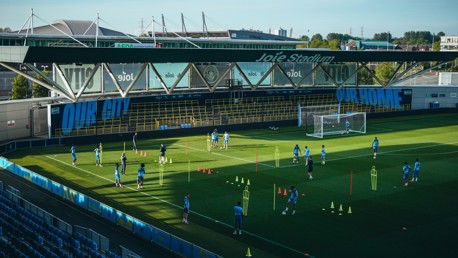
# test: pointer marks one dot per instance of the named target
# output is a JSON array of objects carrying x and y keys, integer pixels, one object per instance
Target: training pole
[
  {"x": 209, "y": 147},
  {"x": 351, "y": 182},
  {"x": 186, "y": 146},
  {"x": 256, "y": 161},
  {"x": 189, "y": 171},
  {"x": 274, "y": 196},
  {"x": 124, "y": 147},
  {"x": 101, "y": 153}
]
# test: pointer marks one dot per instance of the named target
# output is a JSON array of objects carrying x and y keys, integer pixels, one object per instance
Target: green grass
[{"x": 426, "y": 209}]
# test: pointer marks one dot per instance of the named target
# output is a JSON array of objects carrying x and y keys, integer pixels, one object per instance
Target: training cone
[
  {"x": 279, "y": 190},
  {"x": 145, "y": 154},
  {"x": 198, "y": 168},
  {"x": 349, "y": 210},
  {"x": 204, "y": 170},
  {"x": 248, "y": 182},
  {"x": 332, "y": 205},
  {"x": 171, "y": 161},
  {"x": 136, "y": 151},
  {"x": 166, "y": 160},
  {"x": 248, "y": 253},
  {"x": 284, "y": 193},
  {"x": 209, "y": 171},
  {"x": 243, "y": 181},
  {"x": 236, "y": 178},
  {"x": 141, "y": 153},
  {"x": 340, "y": 208}
]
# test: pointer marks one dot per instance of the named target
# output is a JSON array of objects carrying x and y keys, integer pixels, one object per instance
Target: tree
[
  {"x": 20, "y": 88},
  {"x": 384, "y": 36},
  {"x": 365, "y": 78},
  {"x": 384, "y": 71},
  {"x": 38, "y": 90}
]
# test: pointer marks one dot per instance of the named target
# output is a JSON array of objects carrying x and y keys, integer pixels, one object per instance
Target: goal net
[
  {"x": 306, "y": 114},
  {"x": 338, "y": 124}
]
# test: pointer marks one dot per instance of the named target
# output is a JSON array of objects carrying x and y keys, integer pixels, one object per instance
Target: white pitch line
[
  {"x": 179, "y": 206},
  {"x": 226, "y": 156}
]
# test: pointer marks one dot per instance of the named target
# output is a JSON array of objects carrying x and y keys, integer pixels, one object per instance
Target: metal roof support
[
  {"x": 393, "y": 77},
  {"x": 64, "y": 79},
  {"x": 183, "y": 73},
  {"x": 135, "y": 79},
  {"x": 49, "y": 87},
  {"x": 201, "y": 76},
  {"x": 351, "y": 75},
  {"x": 107, "y": 68},
  {"x": 286, "y": 76},
  {"x": 419, "y": 73},
  {"x": 373, "y": 75},
  {"x": 265, "y": 76},
  {"x": 222, "y": 77},
  {"x": 307, "y": 75},
  {"x": 46, "y": 78},
  {"x": 243, "y": 75},
  {"x": 330, "y": 77},
  {"x": 88, "y": 79},
  {"x": 160, "y": 78}
]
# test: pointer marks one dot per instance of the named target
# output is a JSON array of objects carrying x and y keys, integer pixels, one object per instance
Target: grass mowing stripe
[
  {"x": 227, "y": 156},
  {"x": 391, "y": 153},
  {"x": 179, "y": 206}
]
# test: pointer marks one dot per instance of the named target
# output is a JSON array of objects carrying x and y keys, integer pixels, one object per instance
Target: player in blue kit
[
  {"x": 416, "y": 170},
  {"x": 238, "y": 210},
  {"x": 97, "y": 156},
  {"x": 292, "y": 199},
  {"x": 347, "y": 126},
  {"x": 186, "y": 208},
  {"x": 306, "y": 155},
  {"x": 405, "y": 171},
  {"x": 323, "y": 155},
  {"x": 118, "y": 176},
  {"x": 226, "y": 140},
  {"x": 296, "y": 152},
  {"x": 375, "y": 144},
  {"x": 73, "y": 152},
  {"x": 140, "y": 176}
]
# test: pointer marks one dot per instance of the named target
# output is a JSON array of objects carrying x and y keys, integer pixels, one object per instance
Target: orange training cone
[
  {"x": 209, "y": 171},
  {"x": 284, "y": 193},
  {"x": 141, "y": 153},
  {"x": 279, "y": 190},
  {"x": 136, "y": 151},
  {"x": 198, "y": 168},
  {"x": 204, "y": 170}
]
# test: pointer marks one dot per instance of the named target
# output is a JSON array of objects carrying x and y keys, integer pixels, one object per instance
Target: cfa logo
[{"x": 211, "y": 73}]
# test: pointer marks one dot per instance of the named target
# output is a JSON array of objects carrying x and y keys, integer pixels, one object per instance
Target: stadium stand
[{"x": 29, "y": 231}]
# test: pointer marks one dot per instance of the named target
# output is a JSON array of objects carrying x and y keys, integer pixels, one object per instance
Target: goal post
[
  {"x": 306, "y": 114},
  {"x": 337, "y": 124}
]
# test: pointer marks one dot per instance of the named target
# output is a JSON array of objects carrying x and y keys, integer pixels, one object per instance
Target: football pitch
[{"x": 420, "y": 220}]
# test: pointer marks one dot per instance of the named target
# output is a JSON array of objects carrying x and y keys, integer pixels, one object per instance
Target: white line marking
[{"x": 179, "y": 206}]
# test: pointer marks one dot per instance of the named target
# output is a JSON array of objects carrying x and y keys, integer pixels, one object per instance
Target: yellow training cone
[
  {"x": 248, "y": 182},
  {"x": 171, "y": 160},
  {"x": 349, "y": 210},
  {"x": 332, "y": 205},
  {"x": 243, "y": 181},
  {"x": 236, "y": 178},
  {"x": 248, "y": 253},
  {"x": 340, "y": 208}
]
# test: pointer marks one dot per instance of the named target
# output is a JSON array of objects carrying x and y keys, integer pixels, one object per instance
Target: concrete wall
[
  {"x": 447, "y": 97},
  {"x": 19, "y": 112}
]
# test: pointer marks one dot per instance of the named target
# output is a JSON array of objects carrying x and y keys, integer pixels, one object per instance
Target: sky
[{"x": 359, "y": 18}]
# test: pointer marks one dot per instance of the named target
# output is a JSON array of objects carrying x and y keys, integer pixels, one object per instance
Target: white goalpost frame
[
  {"x": 336, "y": 124},
  {"x": 305, "y": 114}
]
